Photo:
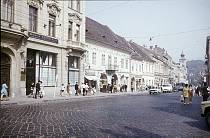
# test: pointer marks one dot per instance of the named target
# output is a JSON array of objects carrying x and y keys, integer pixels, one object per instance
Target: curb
[{"x": 23, "y": 102}]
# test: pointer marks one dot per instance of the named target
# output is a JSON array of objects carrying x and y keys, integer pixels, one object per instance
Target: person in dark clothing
[
  {"x": 37, "y": 89},
  {"x": 76, "y": 87},
  {"x": 126, "y": 88},
  {"x": 205, "y": 92}
]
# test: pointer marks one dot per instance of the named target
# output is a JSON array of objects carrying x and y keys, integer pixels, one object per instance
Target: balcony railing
[
  {"x": 112, "y": 67},
  {"x": 75, "y": 45},
  {"x": 11, "y": 27}
]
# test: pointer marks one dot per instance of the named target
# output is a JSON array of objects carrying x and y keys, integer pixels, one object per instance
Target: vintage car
[
  {"x": 155, "y": 90},
  {"x": 205, "y": 111}
]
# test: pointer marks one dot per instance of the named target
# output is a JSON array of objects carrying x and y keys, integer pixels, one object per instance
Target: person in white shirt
[{"x": 86, "y": 88}]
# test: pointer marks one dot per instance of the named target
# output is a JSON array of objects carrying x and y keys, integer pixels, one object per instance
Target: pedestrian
[
  {"x": 68, "y": 89},
  {"x": 41, "y": 93},
  {"x": 32, "y": 89},
  {"x": 86, "y": 88},
  {"x": 4, "y": 88},
  {"x": 62, "y": 89},
  {"x": 132, "y": 87},
  {"x": 83, "y": 89},
  {"x": 197, "y": 91},
  {"x": 126, "y": 87},
  {"x": 205, "y": 93},
  {"x": 76, "y": 87},
  {"x": 37, "y": 89},
  {"x": 190, "y": 93},
  {"x": 186, "y": 94}
]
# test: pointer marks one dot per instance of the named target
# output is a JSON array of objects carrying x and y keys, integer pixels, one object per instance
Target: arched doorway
[
  {"x": 5, "y": 70},
  {"x": 114, "y": 79},
  {"x": 103, "y": 83}
]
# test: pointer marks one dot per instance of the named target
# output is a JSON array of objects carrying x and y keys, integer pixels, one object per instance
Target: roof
[
  {"x": 140, "y": 53},
  {"x": 102, "y": 33}
]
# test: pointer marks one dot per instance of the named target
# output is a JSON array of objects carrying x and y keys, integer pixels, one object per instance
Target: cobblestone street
[{"x": 116, "y": 116}]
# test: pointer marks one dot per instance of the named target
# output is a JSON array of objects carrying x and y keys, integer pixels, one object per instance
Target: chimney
[
  {"x": 151, "y": 47},
  {"x": 155, "y": 46}
]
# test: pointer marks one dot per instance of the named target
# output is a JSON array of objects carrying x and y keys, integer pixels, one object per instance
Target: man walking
[
  {"x": 76, "y": 87},
  {"x": 37, "y": 89}
]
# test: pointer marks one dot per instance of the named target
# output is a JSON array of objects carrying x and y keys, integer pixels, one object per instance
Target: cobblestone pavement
[{"x": 116, "y": 116}]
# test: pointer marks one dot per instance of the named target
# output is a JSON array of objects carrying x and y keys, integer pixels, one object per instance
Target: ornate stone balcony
[
  {"x": 13, "y": 32},
  {"x": 75, "y": 45}
]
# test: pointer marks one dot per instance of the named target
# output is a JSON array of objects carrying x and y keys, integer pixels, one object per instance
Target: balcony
[
  {"x": 13, "y": 31},
  {"x": 111, "y": 67},
  {"x": 76, "y": 45}
]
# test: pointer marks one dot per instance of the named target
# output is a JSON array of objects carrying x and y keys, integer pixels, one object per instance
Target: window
[
  {"x": 46, "y": 68},
  {"x": 126, "y": 64},
  {"x": 109, "y": 61},
  {"x": 32, "y": 19},
  {"x": 70, "y": 4},
  {"x": 87, "y": 57},
  {"x": 7, "y": 10},
  {"x": 73, "y": 62},
  {"x": 70, "y": 31},
  {"x": 78, "y": 32},
  {"x": 51, "y": 25},
  {"x": 78, "y": 5},
  {"x": 122, "y": 63},
  {"x": 136, "y": 67},
  {"x": 73, "y": 69},
  {"x": 115, "y": 61},
  {"x": 139, "y": 68},
  {"x": 142, "y": 66},
  {"x": 94, "y": 58},
  {"x": 103, "y": 59}
]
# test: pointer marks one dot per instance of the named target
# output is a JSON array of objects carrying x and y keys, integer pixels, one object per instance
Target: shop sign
[{"x": 42, "y": 37}]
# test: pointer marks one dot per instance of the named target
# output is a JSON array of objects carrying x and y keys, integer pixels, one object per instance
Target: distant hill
[{"x": 194, "y": 69}]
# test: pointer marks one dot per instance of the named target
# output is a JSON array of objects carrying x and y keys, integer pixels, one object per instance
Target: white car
[
  {"x": 167, "y": 88},
  {"x": 205, "y": 111},
  {"x": 155, "y": 90}
]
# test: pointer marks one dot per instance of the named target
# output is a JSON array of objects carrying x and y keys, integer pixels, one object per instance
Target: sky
[{"x": 175, "y": 25}]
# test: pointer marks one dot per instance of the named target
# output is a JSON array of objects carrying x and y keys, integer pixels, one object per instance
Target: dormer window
[{"x": 103, "y": 36}]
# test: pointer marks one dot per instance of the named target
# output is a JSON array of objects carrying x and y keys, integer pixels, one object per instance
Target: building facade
[
  {"x": 107, "y": 58},
  {"x": 41, "y": 40}
]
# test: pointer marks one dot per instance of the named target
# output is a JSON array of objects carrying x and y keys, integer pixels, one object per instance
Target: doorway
[{"x": 5, "y": 70}]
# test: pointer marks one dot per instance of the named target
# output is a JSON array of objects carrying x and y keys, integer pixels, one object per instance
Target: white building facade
[{"x": 41, "y": 40}]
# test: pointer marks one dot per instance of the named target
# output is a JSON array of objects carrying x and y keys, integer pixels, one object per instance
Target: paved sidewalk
[{"x": 30, "y": 100}]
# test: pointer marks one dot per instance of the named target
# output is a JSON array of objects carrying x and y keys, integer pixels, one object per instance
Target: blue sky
[{"x": 176, "y": 25}]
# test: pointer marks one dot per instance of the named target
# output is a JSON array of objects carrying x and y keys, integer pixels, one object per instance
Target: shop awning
[{"x": 91, "y": 78}]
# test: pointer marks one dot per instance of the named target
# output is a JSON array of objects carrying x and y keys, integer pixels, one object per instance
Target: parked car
[
  {"x": 155, "y": 90},
  {"x": 205, "y": 111},
  {"x": 167, "y": 88}
]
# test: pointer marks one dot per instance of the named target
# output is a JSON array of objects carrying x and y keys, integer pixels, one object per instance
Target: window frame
[
  {"x": 52, "y": 25},
  {"x": 33, "y": 19}
]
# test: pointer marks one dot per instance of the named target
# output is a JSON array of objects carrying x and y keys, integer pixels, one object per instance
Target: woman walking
[
  {"x": 4, "y": 88},
  {"x": 190, "y": 94},
  {"x": 186, "y": 94}
]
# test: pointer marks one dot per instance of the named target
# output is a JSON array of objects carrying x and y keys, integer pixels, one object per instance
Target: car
[
  {"x": 155, "y": 90},
  {"x": 167, "y": 88},
  {"x": 205, "y": 111}
]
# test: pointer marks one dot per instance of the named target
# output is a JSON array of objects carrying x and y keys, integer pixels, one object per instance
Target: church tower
[{"x": 182, "y": 60}]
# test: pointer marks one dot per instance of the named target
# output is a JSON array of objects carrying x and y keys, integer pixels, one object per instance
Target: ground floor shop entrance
[{"x": 5, "y": 70}]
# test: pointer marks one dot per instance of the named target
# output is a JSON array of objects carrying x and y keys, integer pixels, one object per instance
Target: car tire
[{"x": 208, "y": 119}]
